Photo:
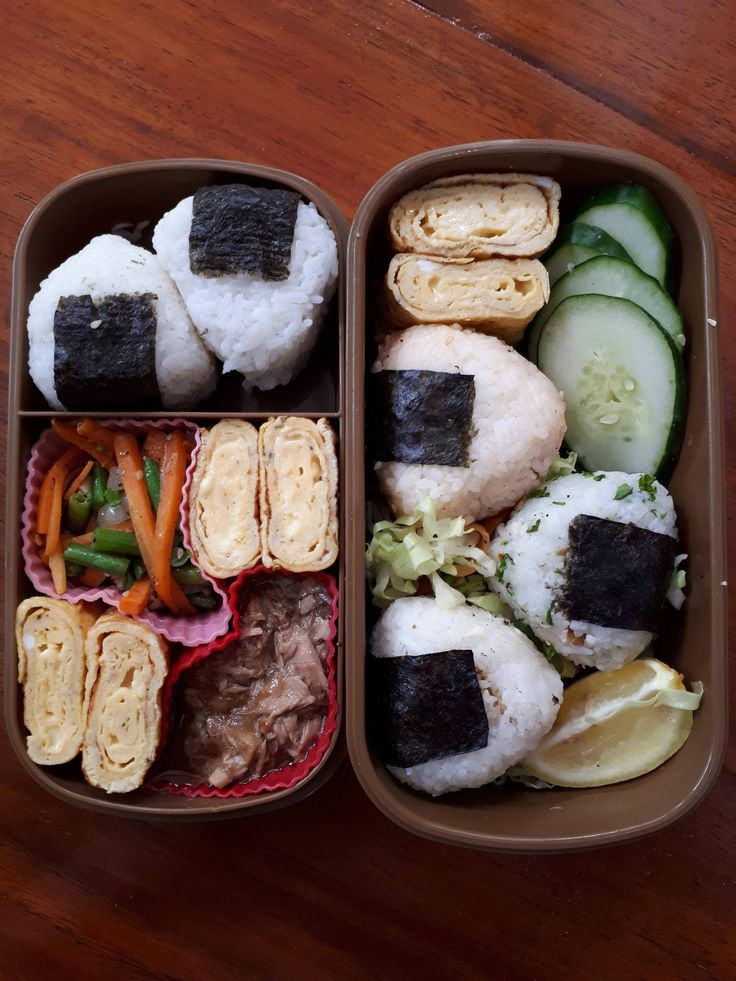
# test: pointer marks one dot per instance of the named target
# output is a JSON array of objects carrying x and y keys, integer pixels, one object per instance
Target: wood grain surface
[{"x": 340, "y": 92}]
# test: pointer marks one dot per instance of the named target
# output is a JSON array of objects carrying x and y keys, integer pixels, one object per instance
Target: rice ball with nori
[
  {"x": 256, "y": 268},
  {"x": 106, "y": 280},
  {"x": 465, "y": 420},
  {"x": 586, "y": 562},
  {"x": 521, "y": 692}
]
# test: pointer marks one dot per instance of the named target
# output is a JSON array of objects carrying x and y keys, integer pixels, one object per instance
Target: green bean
[
  {"x": 188, "y": 575},
  {"x": 114, "y": 565},
  {"x": 139, "y": 569},
  {"x": 78, "y": 511},
  {"x": 73, "y": 570},
  {"x": 115, "y": 542},
  {"x": 204, "y": 601},
  {"x": 128, "y": 579},
  {"x": 99, "y": 485},
  {"x": 153, "y": 481},
  {"x": 179, "y": 556},
  {"x": 113, "y": 497}
]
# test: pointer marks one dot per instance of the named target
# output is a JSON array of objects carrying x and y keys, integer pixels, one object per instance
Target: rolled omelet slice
[
  {"x": 478, "y": 216},
  {"x": 497, "y": 296},
  {"x": 298, "y": 489},
  {"x": 223, "y": 502},
  {"x": 50, "y": 636},
  {"x": 126, "y": 667}
]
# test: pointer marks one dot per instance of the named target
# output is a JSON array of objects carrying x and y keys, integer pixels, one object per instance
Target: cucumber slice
[
  {"x": 612, "y": 277},
  {"x": 577, "y": 242},
  {"x": 630, "y": 214},
  {"x": 623, "y": 381}
]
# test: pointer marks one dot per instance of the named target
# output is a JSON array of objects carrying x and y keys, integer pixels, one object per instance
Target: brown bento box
[
  {"x": 508, "y": 817},
  {"x": 89, "y": 205},
  {"x": 332, "y": 385}
]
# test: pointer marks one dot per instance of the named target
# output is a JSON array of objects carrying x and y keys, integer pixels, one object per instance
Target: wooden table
[{"x": 340, "y": 92}]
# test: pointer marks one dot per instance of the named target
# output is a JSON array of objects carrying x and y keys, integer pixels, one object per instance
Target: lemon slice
[{"x": 616, "y": 725}]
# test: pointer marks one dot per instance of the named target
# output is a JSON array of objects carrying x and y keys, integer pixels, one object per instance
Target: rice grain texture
[
  {"x": 261, "y": 328},
  {"x": 531, "y": 577},
  {"x": 517, "y": 426},
  {"x": 110, "y": 265},
  {"x": 521, "y": 691}
]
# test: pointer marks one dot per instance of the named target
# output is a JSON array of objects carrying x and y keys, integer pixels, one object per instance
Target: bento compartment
[
  {"x": 267, "y": 672},
  {"x": 201, "y": 628}
]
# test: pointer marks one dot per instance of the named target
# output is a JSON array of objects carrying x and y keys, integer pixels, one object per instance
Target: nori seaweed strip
[
  {"x": 237, "y": 228},
  {"x": 105, "y": 352},
  {"x": 424, "y": 417},
  {"x": 617, "y": 574},
  {"x": 426, "y": 707}
]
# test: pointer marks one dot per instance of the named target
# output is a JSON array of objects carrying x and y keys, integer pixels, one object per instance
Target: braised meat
[{"x": 261, "y": 703}]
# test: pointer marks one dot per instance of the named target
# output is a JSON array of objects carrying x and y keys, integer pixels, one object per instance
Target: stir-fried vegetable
[{"x": 107, "y": 510}]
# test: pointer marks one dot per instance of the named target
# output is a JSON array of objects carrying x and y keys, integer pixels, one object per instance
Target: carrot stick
[
  {"x": 44, "y": 504},
  {"x": 51, "y": 519},
  {"x": 131, "y": 469},
  {"x": 78, "y": 480},
  {"x": 58, "y": 569},
  {"x": 45, "y": 495},
  {"x": 85, "y": 539},
  {"x": 173, "y": 473},
  {"x": 153, "y": 447},
  {"x": 68, "y": 432},
  {"x": 96, "y": 433},
  {"x": 92, "y": 578},
  {"x": 490, "y": 524},
  {"x": 135, "y": 600}
]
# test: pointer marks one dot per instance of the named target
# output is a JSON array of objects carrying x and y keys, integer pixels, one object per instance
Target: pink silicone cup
[
  {"x": 191, "y": 631},
  {"x": 291, "y": 774}
]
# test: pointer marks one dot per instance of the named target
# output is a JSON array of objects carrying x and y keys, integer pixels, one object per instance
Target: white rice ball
[
  {"x": 521, "y": 691},
  {"x": 517, "y": 428},
  {"x": 534, "y": 541},
  {"x": 108, "y": 265},
  {"x": 264, "y": 329}
]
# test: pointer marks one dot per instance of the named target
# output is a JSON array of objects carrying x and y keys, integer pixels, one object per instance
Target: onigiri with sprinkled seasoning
[{"x": 587, "y": 561}]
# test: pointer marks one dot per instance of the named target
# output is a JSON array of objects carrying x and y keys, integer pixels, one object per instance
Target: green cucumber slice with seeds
[
  {"x": 610, "y": 276},
  {"x": 577, "y": 242},
  {"x": 631, "y": 215},
  {"x": 623, "y": 380}
]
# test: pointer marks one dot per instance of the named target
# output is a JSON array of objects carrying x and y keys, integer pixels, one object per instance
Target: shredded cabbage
[
  {"x": 675, "y": 592},
  {"x": 421, "y": 544},
  {"x": 561, "y": 466}
]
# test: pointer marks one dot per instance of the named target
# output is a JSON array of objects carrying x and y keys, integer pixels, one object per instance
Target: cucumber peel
[{"x": 611, "y": 276}]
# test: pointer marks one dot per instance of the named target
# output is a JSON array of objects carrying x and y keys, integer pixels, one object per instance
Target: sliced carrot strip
[
  {"x": 490, "y": 524},
  {"x": 85, "y": 539},
  {"x": 173, "y": 473},
  {"x": 92, "y": 578},
  {"x": 68, "y": 432},
  {"x": 131, "y": 469},
  {"x": 96, "y": 433},
  {"x": 135, "y": 600},
  {"x": 78, "y": 480},
  {"x": 58, "y": 569},
  {"x": 153, "y": 447},
  {"x": 57, "y": 476},
  {"x": 44, "y": 504}
]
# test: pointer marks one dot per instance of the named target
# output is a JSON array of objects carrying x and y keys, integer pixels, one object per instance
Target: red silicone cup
[
  {"x": 293, "y": 773},
  {"x": 200, "y": 629}
]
